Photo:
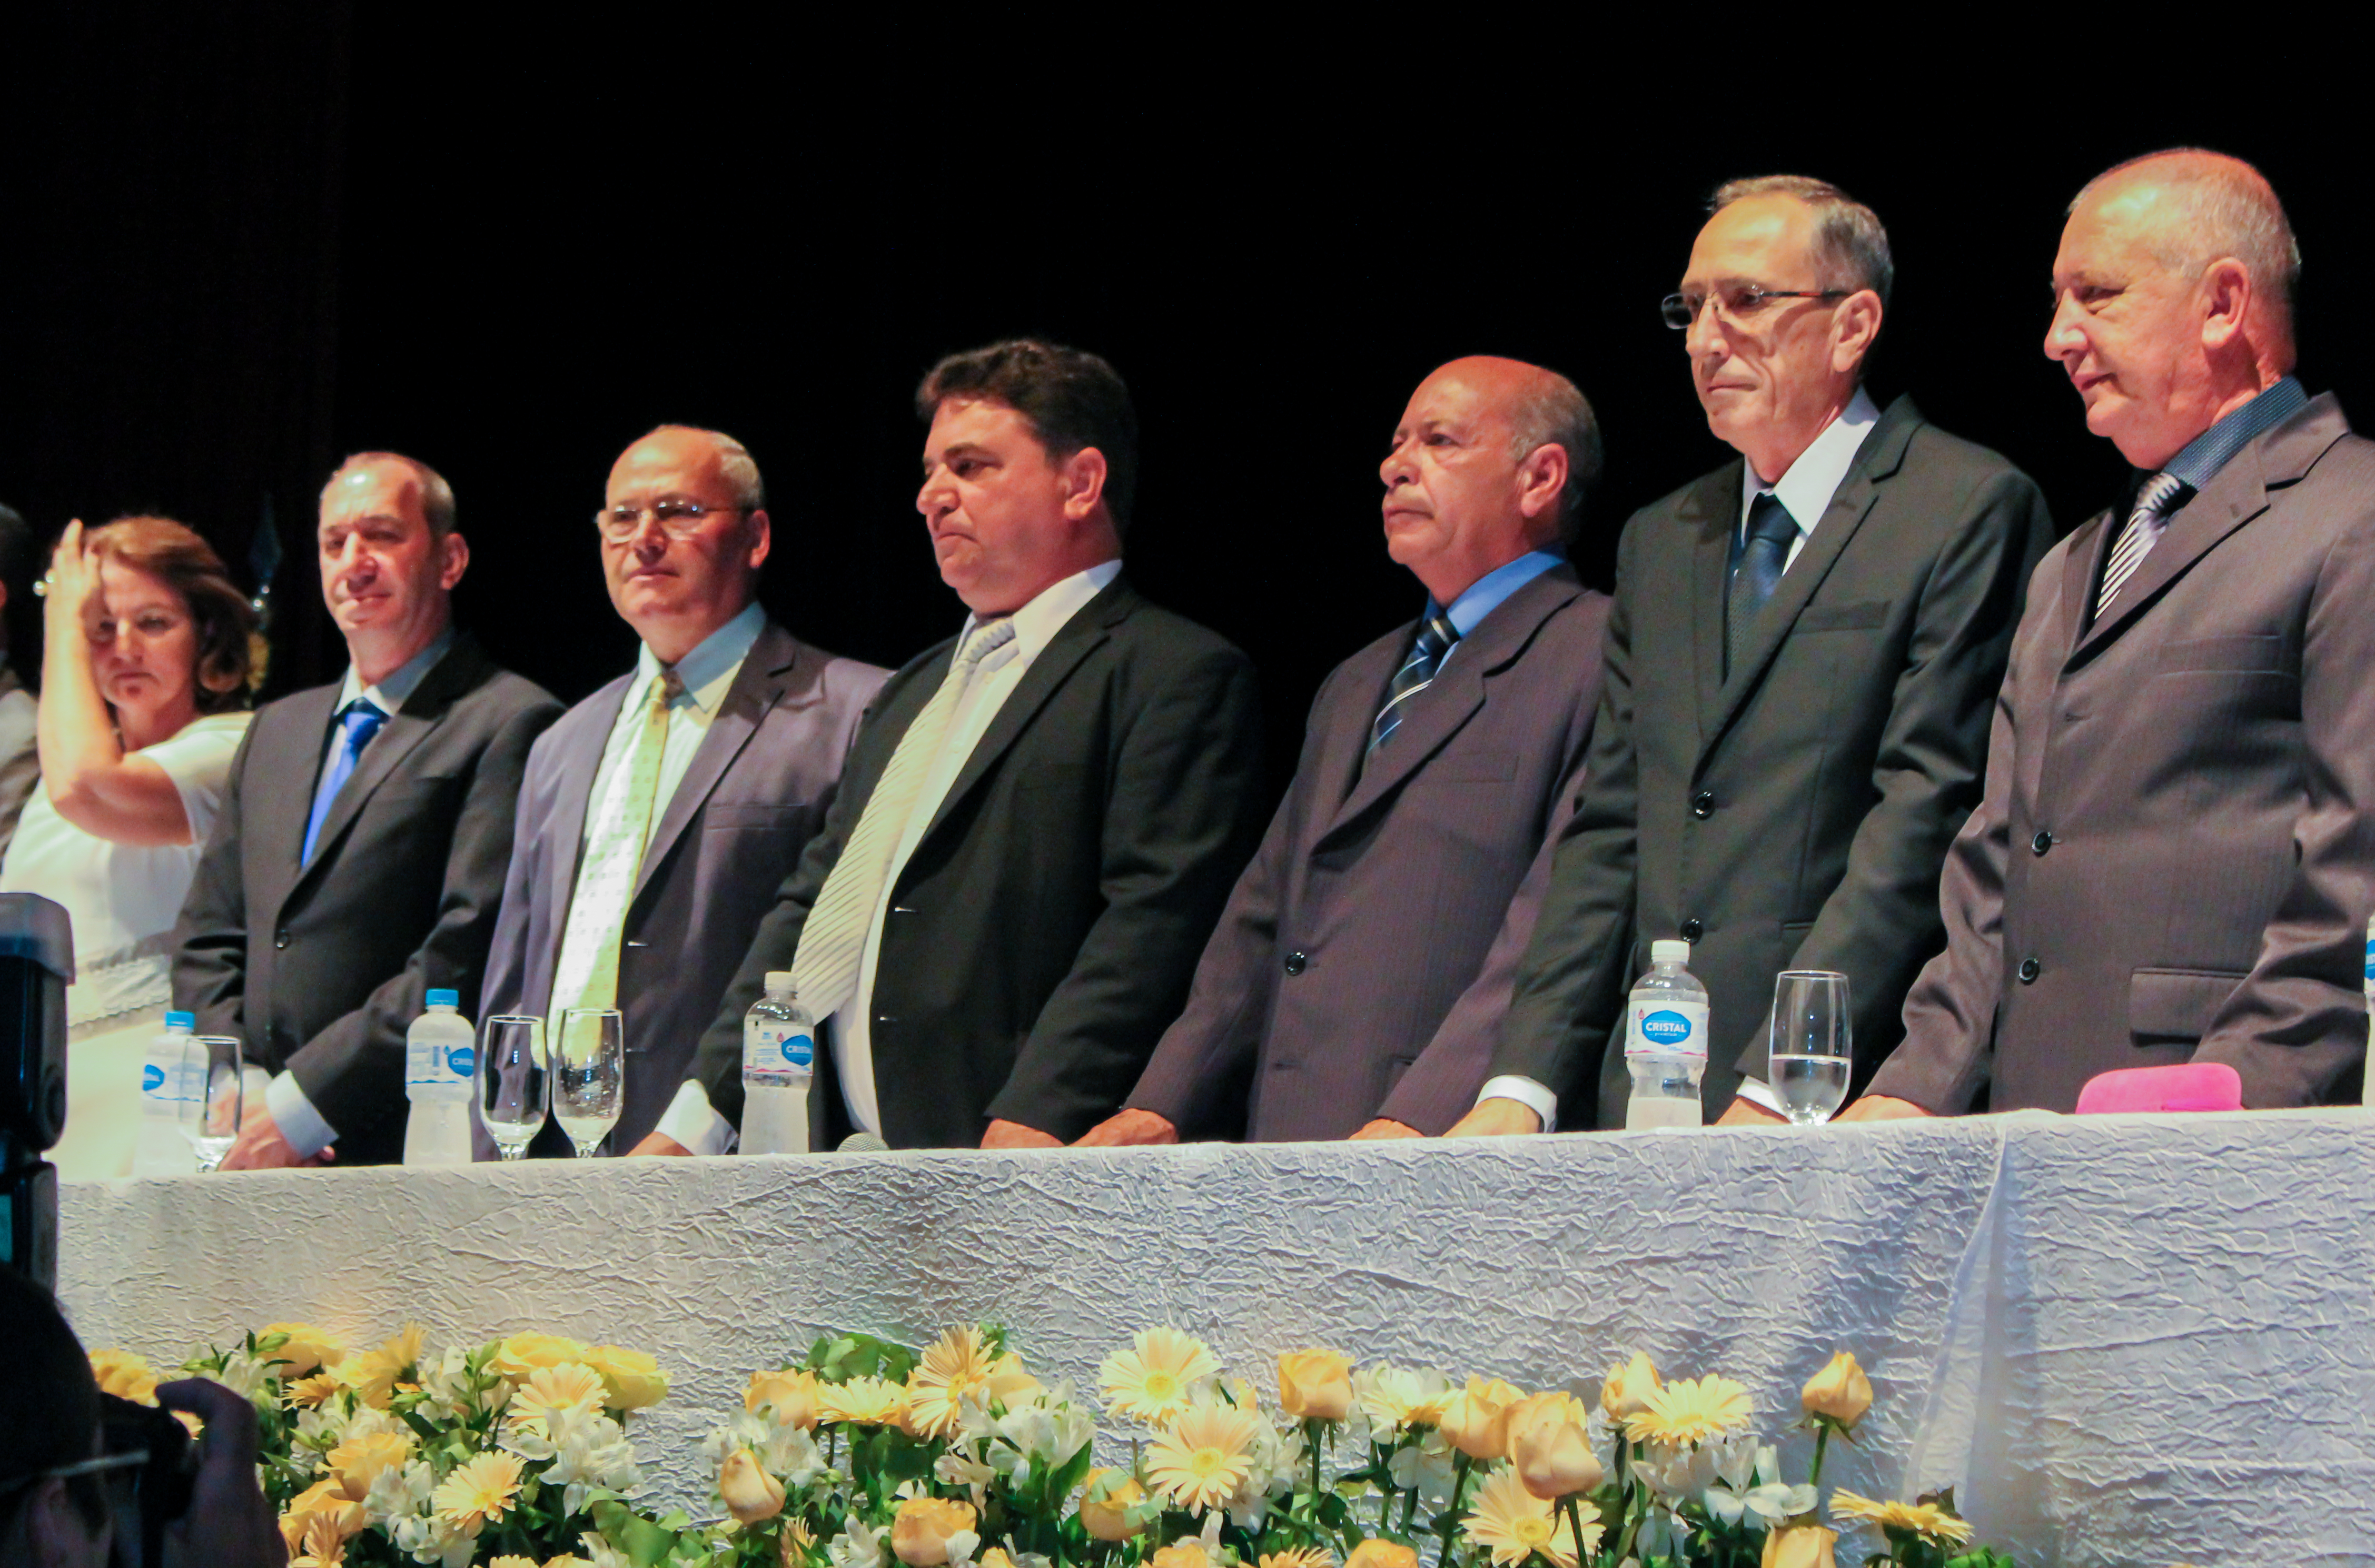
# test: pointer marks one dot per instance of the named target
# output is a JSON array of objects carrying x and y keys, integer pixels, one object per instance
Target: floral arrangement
[{"x": 867, "y": 1454}]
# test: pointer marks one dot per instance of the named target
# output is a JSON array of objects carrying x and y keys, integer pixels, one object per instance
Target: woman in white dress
[{"x": 144, "y": 691}]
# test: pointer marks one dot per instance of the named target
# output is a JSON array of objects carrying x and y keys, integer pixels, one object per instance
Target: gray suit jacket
[
  {"x": 1364, "y": 962},
  {"x": 756, "y": 791},
  {"x": 322, "y": 968},
  {"x": 2176, "y": 856},
  {"x": 1793, "y": 814}
]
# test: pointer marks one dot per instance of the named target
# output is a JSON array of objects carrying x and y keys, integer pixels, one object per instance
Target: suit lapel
[
  {"x": 2232, "y": 499},
  {"x": 568, "y": 838},
  {"x": 405, "y": 729},
  {"x": 1882, "y": 455},
  {"x": 769, "y": 675},
  {"x": 1709, "y": 514},
  {"x": 1349, "y": 721},
  {"x": 290, "y": 784}
]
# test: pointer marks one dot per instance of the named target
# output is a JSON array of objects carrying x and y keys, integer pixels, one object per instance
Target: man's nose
[
  {"x": 1398, "y": 467},
  {"x": 1704, "y": 337},
  {"x": 2064, "y": 336},
  {"x": 933, "y": 497}
]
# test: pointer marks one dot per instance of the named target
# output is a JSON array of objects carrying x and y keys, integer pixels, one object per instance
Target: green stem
[
  {"x": 1633, "y": 1514},
  {"x": 1460, "y": 1469},
  {"x": 1822, "y": 1442}
]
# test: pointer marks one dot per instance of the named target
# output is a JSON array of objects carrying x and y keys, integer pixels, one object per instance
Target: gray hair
[
  {"x": 1555, "y": 413},
  {"x": 1850, "y": 247},
  {"x": 2221, "y": 207},
  {"x": 735, "y": 464},
  {"x": 436, "y": 495}
]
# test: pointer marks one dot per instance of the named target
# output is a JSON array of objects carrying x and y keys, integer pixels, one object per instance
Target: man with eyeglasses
[
  {"x": 660, "y": 816},
  {"x": 1799, "y": 669}
]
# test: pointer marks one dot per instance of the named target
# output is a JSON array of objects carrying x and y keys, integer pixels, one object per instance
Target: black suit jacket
[
  {"x": 1044, "y": 930},
  {"x": 1795, "y": 813},
  {"x": 322, "y": 968}
]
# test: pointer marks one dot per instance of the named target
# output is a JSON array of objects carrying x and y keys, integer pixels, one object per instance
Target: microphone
[{"x": 862, "y": 1143}]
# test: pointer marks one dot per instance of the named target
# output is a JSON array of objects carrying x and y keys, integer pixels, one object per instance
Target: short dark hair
[
  {"x": 175, "y": 555},
  {"x": 51, "y": 1376},
  {"x": 1072, "y": 401}
]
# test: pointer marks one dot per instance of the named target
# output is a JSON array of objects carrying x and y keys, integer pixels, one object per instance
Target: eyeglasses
[
  {"x": 1735, "y": 303},
  {"x": 100, "y": 1465},
  {"x": 680, "y": 519}
]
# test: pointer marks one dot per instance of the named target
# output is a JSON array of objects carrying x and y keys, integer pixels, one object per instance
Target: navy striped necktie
[
  {"x": 1763, "y": 557},
  {"x": 1436, "y": 636}
]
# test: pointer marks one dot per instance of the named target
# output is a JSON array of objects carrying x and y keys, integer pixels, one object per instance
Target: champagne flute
[
  {"x": 213, "y": 1095},
  {"x": 1812, "y": 1053},
  {"x": 514, "y": 1088},
  {"x": 590, "y": 1080}
]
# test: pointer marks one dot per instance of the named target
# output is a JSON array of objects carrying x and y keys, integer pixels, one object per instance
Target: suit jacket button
[
  {"x": 1295, "y": 961},
  {"x": 2042, "y": 841},
  {"x": 1693, "y": 930},
  {"x": 1703, "y": 806},
  {"x": 2028, "y": 971}
]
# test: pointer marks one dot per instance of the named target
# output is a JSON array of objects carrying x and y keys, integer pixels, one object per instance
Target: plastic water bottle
[
  {"x": 165, "y": 1083},
  {"x": 441, "y": 1070},
  {"x": 778, "y": 1062},
  {"x": 1665, "y": 1041}
]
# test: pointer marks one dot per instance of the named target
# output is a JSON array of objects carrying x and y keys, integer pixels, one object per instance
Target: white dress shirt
[
  {"x": 708, "y": 673},
  {"x": 690, "y": 1120},
  {"x": 299, "y": 1121},
  {"x": 1804, "y": 492}
]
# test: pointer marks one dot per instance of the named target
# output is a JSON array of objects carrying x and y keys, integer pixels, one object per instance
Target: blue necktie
[
  {"x": 356, "y": 727},
  {"x": 1758, "y": 571},
  {"x": 1436, "y": 636}
]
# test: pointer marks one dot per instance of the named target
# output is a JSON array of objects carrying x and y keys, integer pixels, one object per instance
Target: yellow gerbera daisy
[
  {"x": 479, "y": 1491},
  {"x": 1925, "y": 1519},
  {"x": 1202, "y": 1458},
  {"x": 1689, "y": 1410},
  {"x": 1149, "y": 1382},
  {"x": 869, "y": 1401},
  {"x": 1397, "y": 1397},
  {"x": 954, "y": 1366},
  {"x": 308, "y": 1392},
  {"x": 320, "y": 1544},
  {"x": 1300, "y": 1557},
  {"x": 552, "y": 1389},
  {"x": 1513, "y": 1524}
]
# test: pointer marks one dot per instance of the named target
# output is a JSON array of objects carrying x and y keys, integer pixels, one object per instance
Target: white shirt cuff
[
  {"x": 691, "y": 1121},
  {"x": 1756, "y": 1091},
  {"x": 1526, "y": 1093},
  {"x": 300, "y": 1124}
]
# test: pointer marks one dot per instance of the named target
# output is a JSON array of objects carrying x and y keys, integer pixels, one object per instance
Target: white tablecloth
[{"x": 2141, "y": 1339}]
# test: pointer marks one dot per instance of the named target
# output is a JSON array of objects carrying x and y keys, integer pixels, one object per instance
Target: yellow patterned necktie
[{"x": 588, "y": 973}]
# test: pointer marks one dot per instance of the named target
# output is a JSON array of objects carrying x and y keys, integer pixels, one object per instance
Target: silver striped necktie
[
  {"x": 2162, "y": 495},
  {"x": 1436, "y": 636}
]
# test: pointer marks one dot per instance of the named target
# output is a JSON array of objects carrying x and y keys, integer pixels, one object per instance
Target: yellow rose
[
  {"x": 307, "y": 1348},
  {"x": 1799, "y": 1546},
  {"x": 920, "y": 1530},
  {"x": 1109, "y": 1519},
  {"x": 793, "y": 1395},
  {"x": 1476, "y": 1421},
  {"x": 1839, "y": 1393},
  {"x": 750, "y": 1492},
  {"x": 323, "y": 1499},
  {"x": 993, "y": 1558},
  {"x": 632, "y": 1379},
  {"x": 356, "y": 1462},
  {"x": 1185, "y": 1553},
  {"x": 1378, "y": 1552},
  {"x": 1628, "y": 1390},
  {"x": 1314, "y": 1385},
  {"x": 524, "y": 1353},
  {"x": 1009, "y": 1382},
  {"x": 511, "y": 1559},
  {"x": 1549, "y": 1443},
  {"x": 125, "y": 1376}
]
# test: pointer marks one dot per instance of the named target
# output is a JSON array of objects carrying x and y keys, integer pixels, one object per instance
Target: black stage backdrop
[{"x": 246, "y": 239}]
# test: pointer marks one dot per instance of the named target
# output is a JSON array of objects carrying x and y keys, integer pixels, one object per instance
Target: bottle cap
[
  {"x": 1669, "y": 950},
  {"x": 181, "y": 1020},
  {"x": 779, "y": 980},
  {"x": 439, "y": 998}
]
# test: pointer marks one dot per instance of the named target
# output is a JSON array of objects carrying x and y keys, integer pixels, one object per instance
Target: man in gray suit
[
  {"x": 658, "y": 816},
  {"x": 2176, "y": 853},
  {"x": 1356, "y": 981},
  {"x": 1798, "y": 668}
]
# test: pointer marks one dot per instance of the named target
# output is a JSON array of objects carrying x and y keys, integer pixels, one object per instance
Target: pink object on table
[{"x": 2190, "y": 1086}]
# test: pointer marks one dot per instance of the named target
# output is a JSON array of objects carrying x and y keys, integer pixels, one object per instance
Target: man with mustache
[
  {"x": 2176, "y": 855},
  {"x": 359, "y": 853}
]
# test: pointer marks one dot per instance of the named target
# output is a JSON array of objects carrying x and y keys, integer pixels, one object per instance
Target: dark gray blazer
[
  {"x": 1045, "y": 928},
  {"x": 2176, "y": 856},
  {"x": 1793, "y": 814},
  {"x": 1364, "y": 963},
  {"x": 321, "y": 970},
  {"x": 754, "y": 795}
]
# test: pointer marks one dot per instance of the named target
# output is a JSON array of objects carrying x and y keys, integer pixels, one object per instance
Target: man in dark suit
[
  {"x": 1356, "y": 984},
  {"x": 660, "y": 815},
  {"x": 364, "y": 834},
  {"x": 1040, "y": 821},
  {"x": 1799, "y": 662},
  {"x": 2175, "y": 859}
]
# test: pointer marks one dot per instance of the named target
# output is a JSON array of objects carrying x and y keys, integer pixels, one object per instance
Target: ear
[
  {"x": 762, "y": 536},
  {"x": 1541, "y": 478},
  {"x": 1083, "y": 479},
  {"x": 2226, "y": 300},
  {"x": 1856, "y": 327},
  {"x": 453, "y": 560}
]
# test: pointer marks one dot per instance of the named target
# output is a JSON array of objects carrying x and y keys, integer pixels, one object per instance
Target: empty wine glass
[
  {"x": 514, "y": 1089},
  {"x": 213, "y": 1095},
  {"x": 590, "y": 1075},
  {"x": 1813, "y": 1056}
]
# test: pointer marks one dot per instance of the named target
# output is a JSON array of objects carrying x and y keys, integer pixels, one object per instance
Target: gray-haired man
[{"x": 1799, "y": 666}]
